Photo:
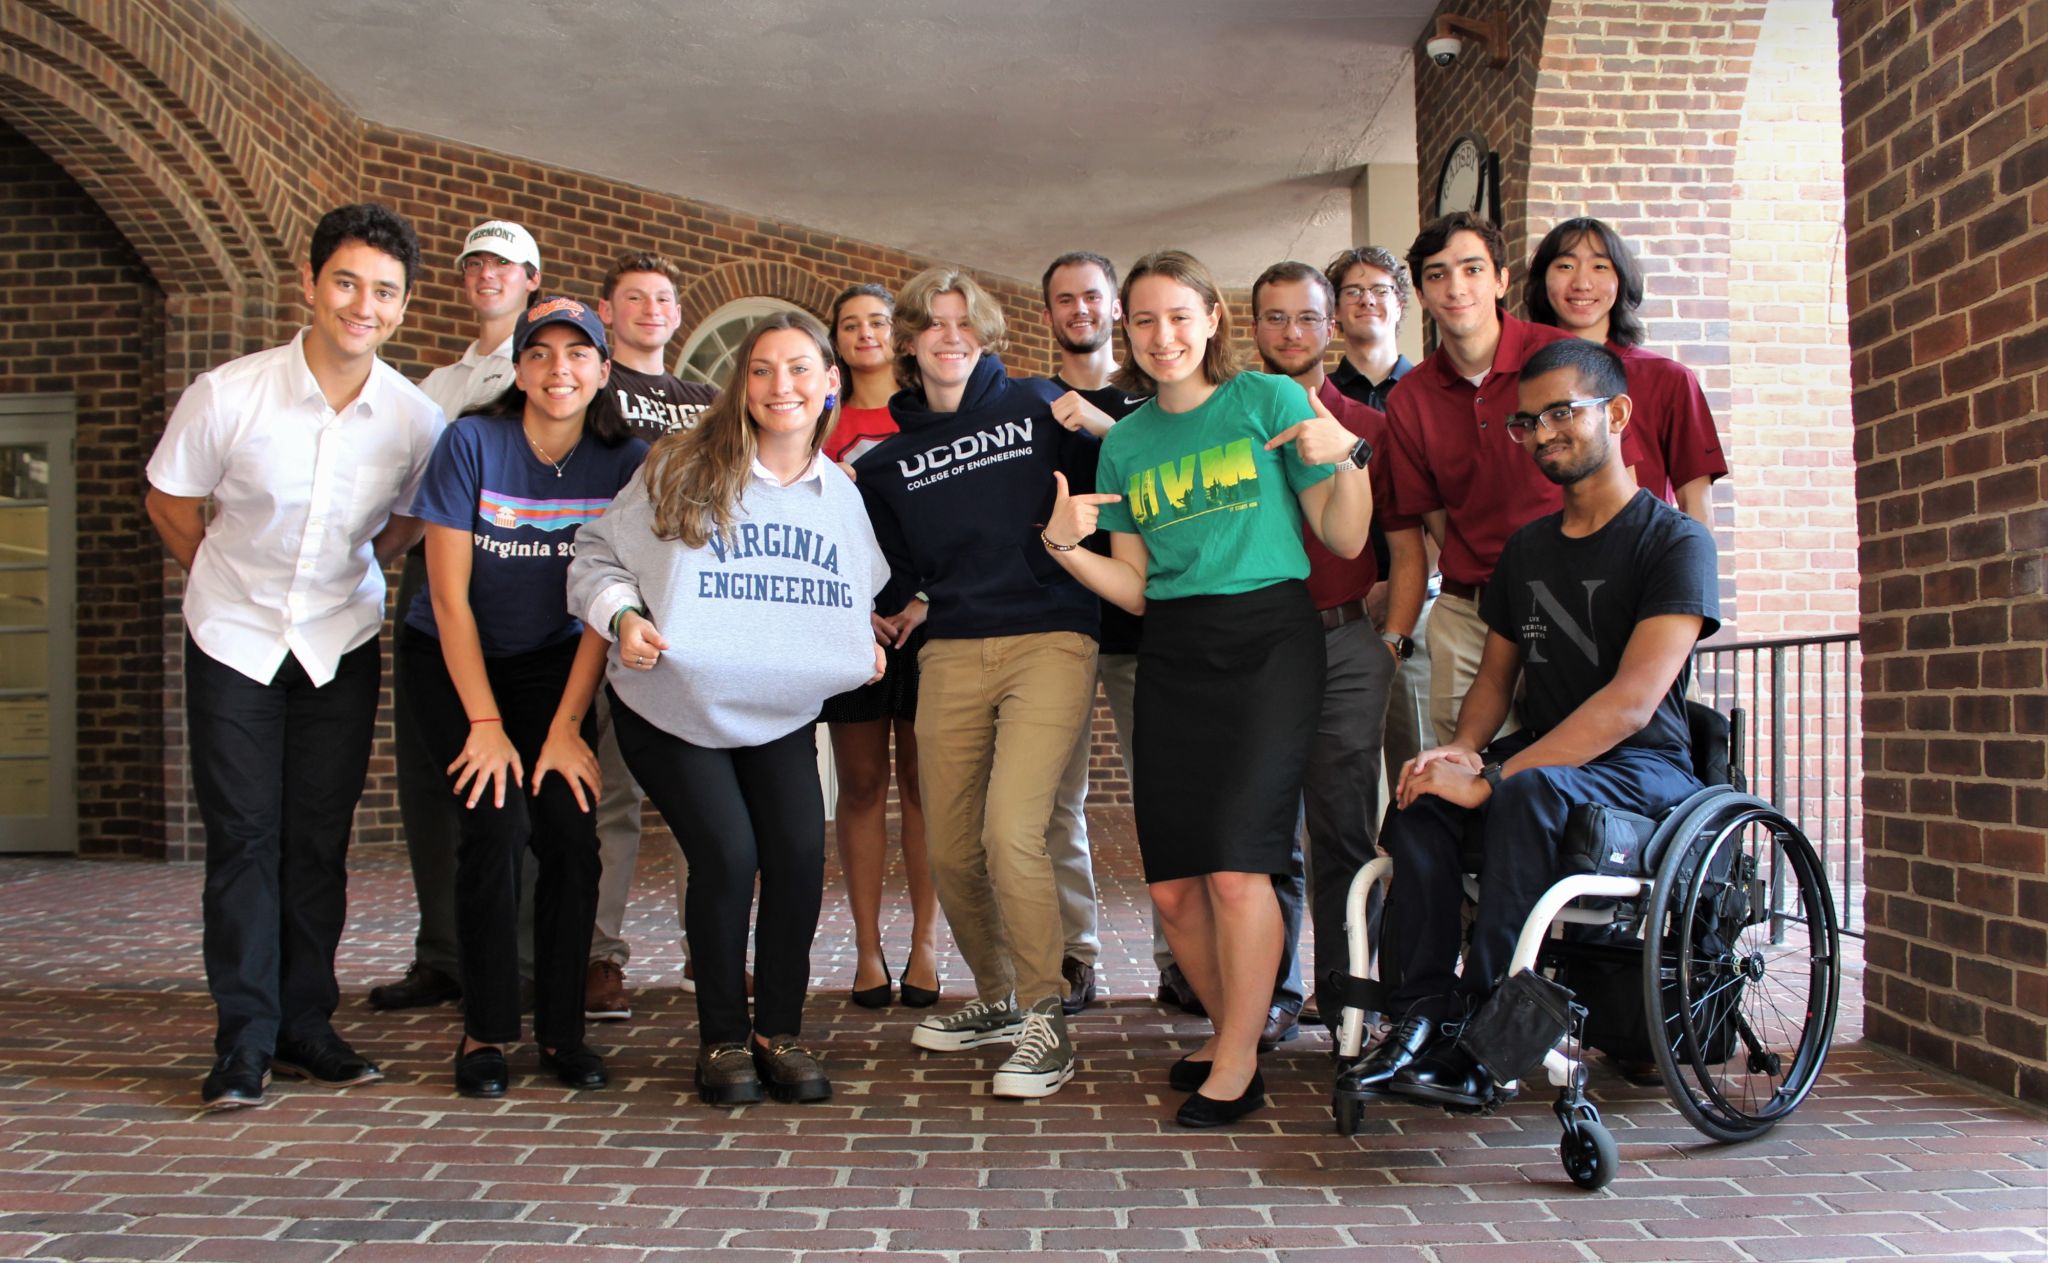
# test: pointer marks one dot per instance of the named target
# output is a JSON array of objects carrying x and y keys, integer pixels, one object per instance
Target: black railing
[{"x": 1801, "y": 697}]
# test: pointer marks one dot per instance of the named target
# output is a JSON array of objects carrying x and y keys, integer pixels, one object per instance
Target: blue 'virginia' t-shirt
[{"x": 522, "y": 516}]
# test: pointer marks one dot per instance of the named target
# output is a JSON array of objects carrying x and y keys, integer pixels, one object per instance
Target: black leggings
[
  {"x": 736, "y": 813},
  {"x": 528, "y": 688}
]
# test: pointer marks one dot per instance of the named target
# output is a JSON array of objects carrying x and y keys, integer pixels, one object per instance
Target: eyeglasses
[
  {"x": 1280, "y": 319},
  {"x": 1378, "y": 293},
  {"x": 1556, "y": 417}
]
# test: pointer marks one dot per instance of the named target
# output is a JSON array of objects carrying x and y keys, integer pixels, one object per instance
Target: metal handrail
[{"x": 1801, "y": 695}]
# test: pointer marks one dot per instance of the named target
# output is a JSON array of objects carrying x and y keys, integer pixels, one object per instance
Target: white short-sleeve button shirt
[{"x": 300, "y": 491}]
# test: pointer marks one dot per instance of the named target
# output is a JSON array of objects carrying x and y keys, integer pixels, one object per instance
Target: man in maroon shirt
[
  {"x": 1454, "y": 464},
  {"x": 1291, "y": 325}
]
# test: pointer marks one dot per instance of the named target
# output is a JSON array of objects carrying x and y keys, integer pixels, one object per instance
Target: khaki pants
[
  {"x": 1457, "y": 641},
  {"x": 996, "y": 723}
]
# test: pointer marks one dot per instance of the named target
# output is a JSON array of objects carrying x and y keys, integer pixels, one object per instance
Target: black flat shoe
[
  {"x": 1188, "y": 1075},
  {"x": 876, "y": 997},
  {"x": 576, "y": 1067},
  {"x": 919, "y": 997},
  {"x": 481, "y": 1072},
  {"x": 1207, "y": 1111}
]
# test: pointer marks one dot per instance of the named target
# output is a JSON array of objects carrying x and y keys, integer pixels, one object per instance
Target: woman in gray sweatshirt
[{"x": 734, "y": 577}]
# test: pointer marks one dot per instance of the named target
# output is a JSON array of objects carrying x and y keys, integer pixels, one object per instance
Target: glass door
[{"x": 38, "y": 574}]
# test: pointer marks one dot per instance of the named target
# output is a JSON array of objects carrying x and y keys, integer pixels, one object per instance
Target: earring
[{"x": 831, "y": 401}]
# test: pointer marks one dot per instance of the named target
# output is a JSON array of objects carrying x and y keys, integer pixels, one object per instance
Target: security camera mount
[{"x": 1485, "y": 32}]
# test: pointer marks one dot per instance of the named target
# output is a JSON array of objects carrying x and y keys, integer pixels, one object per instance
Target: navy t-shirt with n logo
[{"x": 1571, "y": 605}]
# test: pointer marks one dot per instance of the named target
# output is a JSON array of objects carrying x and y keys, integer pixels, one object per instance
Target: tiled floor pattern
[{"x": 105, "y": 1024}]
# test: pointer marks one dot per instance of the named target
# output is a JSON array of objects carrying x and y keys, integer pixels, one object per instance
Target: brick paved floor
[{"x": 106, "y": 1031}]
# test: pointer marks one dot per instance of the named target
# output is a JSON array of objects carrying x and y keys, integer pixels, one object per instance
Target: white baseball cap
[{"x": 503, "y": 238}]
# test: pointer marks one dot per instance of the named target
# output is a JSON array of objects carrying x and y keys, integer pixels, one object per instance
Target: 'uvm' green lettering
[{"x": 1213, "y": 479}]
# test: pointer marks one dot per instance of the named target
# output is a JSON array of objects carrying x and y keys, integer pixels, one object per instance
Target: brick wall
[
  {"x": 82, "y": 315},
  {"x": 1944, "y": 111}
]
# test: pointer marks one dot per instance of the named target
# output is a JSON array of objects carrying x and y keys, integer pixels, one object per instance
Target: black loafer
[
  {"x": 1207, "y": 1111},
  {"x": 1388, "y": 1057},
  {"x": 1445, "y": 1075},
  {"x": 422, "y": 985},
  {"x": 236, "y": 1081},
  {"x": 576, "y": 1067},
  {"x": 790, "y": 1071},
  {"x": 1188, "y": 1075},
  {"x": 481, "y": 1072},
  {"x": 327, "y": 1063}
]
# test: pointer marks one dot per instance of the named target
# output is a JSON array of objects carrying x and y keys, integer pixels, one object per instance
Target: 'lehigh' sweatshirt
[
  {"x": 763, "y": 623},
  {"x": 957, "y": 500}
]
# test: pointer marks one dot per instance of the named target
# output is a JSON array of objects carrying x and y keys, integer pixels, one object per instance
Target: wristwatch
[
  {"x": 1361, "y": 452},
  {"x": 1491, "y": 775},
  {"x": 1403, "y": 646}
]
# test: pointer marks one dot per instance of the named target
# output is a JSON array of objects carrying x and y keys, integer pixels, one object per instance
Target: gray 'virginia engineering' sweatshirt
[{"x": 763, "y": 623}]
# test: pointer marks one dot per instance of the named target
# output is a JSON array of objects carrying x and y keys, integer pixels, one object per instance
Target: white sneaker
[
  {"x": 1044, "y": 1059},
  {"x": 970, "y": 1026}
]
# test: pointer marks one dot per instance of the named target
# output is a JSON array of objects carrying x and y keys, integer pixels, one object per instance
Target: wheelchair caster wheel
[
  {"x": 1350, "y": 1112},
  {"x": 1589, "y": 1156}
]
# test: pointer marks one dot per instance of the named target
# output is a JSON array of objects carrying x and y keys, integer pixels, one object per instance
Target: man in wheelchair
[{"x": 1593, "y": 613}]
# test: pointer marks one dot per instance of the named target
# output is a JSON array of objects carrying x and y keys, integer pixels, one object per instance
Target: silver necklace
[{"x": 556, "y": 465}]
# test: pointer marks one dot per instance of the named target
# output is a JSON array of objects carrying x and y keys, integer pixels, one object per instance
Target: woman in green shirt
[{"x": 1205, "y": 489}]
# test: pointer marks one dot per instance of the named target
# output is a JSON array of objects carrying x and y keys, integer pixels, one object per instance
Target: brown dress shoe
[
  {"x": 604, "y": 993},
  {"x": 790, "y": 1071}
]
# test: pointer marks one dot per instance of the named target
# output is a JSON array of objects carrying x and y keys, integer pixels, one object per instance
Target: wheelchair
[{"x": 1718, "y": 923}]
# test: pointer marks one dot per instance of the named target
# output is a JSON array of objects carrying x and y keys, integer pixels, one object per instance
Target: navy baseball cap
[{"x": 557, "y": 310}]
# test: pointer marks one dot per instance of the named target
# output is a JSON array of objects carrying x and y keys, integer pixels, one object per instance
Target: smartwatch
[
  {"x": 1491, "y": 775},
  {"x": 1361, "y": 452},
  {"x": 1403, "y": 646}
]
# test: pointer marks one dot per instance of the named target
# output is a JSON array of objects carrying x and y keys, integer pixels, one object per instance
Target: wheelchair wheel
[
  {"x": 1589, "y": 1156},
  {"x": 1741, "y": 999}
]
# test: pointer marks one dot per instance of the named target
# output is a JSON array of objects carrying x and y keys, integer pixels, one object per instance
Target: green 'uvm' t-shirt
[{"x": 1216, "y": 510}]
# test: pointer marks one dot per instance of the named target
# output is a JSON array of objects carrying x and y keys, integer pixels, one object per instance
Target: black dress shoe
[
  {"x": 1401, "y": 1046},
  {"x": 327, "y": 1063},
  {"x": 422, "y": 985},
  {"x": 1206, "y": 1111},
  {"x": 1174, "y": 990},
  {"x": 1281, "y": 1026},
  {"x": 481, "y": 1072},
  {"x": 876, "y": 997},
  {"x": 236, "y": 1081},
  {"x": 576, "y": 1067},
  {"x": 1079, "y": 976},
  {"x": 1188, "y": 1075},
  {"x": 1446, "y": 1075}
]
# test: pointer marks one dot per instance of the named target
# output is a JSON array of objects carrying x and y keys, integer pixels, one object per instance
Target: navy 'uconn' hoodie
[{"x": 956, "y": 499}]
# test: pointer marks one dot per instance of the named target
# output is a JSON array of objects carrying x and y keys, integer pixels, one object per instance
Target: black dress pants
[
  {"x": 277, "y": 768},
  {"x": 563, "y": 837},
  {"x": 735, "y": 813}
]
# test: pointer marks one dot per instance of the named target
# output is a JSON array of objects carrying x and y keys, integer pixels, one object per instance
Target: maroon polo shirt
[
  {"x": 1451, "y": 450},
  {"x": 1333, "y": 581},
  {"x": 1670, "y": 438}
]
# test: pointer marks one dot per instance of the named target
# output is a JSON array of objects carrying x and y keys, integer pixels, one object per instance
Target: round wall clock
[{"x": 1469, "y": 179}]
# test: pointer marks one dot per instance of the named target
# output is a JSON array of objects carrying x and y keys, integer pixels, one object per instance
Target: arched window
[{"x": 707, "y": 354}]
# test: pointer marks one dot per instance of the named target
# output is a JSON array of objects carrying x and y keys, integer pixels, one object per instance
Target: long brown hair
[
  {"x": 1220, "y": 361},
  {"x": 696, "y": 477}
]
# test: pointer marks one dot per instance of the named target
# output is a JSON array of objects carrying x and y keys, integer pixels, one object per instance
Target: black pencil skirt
[{"x": 1229, "y": 691}]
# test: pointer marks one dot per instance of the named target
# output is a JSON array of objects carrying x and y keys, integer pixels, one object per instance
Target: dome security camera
[{"x": 1444, "y": 49}]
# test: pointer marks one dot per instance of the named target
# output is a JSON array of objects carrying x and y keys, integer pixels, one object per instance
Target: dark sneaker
[
  {"x": 236, "y": 1081},
  {"x": 327, "y": 1063},
  {"x": 1044, "y": 1059},
  {"x": 575, "y": 1067},
  {"x": 1080, "y": 976},
  {"x": 604, "y": 993},
  {"x": 726, "y": 1076},
  {"x": 422, "y": 985},
  {"x": 790, "y": 1071},
  {"x": 971, "y": 1025}
]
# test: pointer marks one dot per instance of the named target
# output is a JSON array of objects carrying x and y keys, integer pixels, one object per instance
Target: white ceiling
[{"x": 995, "y": 133}]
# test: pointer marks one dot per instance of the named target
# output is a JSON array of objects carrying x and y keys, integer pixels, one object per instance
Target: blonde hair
[
  {"x": 1220, "y": 361},
  {"x": 914, "y": 316},
  {"x": 696, "y": 477}
]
